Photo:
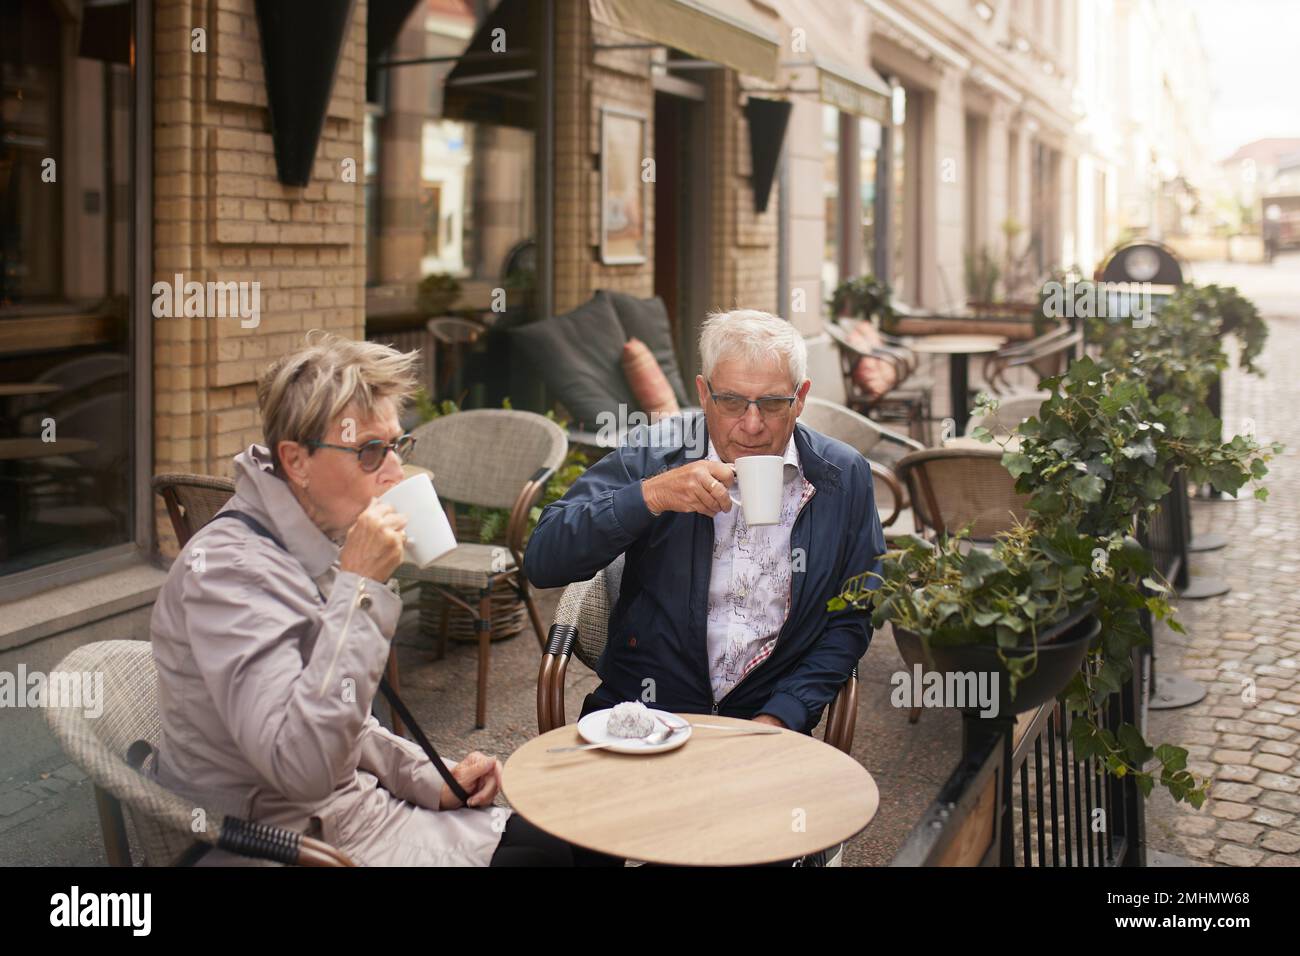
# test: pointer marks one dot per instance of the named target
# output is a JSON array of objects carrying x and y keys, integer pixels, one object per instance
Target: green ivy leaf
[{"x": 1088, "y": 488}]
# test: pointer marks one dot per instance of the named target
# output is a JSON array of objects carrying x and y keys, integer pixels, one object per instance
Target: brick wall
[
  {"x": 584, "y": 84},
  {"x": 221, "y": 215},
  {"x": 743, "y": 244}
]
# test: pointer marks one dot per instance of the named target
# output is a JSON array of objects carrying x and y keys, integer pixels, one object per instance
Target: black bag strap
[{"x": 391, "y": 695}]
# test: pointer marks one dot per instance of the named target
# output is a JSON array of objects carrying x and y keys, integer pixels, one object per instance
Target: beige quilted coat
[{"x": 265, "y": 692}]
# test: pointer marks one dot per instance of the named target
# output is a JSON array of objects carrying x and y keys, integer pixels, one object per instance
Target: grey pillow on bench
[
  {"x": 647, "y": 320},
  {"x": 579, "y": 355}
]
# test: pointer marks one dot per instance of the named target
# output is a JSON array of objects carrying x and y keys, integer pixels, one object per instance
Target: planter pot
[{"x": 1061, "y": 650}]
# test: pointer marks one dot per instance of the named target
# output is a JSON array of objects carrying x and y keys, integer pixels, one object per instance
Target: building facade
[{"x": 478, "y": 160}]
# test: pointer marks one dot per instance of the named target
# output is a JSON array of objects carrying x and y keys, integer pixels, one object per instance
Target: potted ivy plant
[
  {"x": 1021, "y": 611},
  {"x": 1093, "y": 462},
  {"x": 863, "y": 297},
  {"x": 437, "y": 293}
]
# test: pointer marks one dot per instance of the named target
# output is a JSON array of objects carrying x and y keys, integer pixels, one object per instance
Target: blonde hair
[
  {"x": 304, "y": 391},
  {"x": 755, "y": 337}
]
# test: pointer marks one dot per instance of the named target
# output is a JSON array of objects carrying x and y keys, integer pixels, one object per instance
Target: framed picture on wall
[{"x": 623, "y": 193}]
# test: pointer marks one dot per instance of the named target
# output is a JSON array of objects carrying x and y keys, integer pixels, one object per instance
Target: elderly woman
[{"x": 270, "y": 636}]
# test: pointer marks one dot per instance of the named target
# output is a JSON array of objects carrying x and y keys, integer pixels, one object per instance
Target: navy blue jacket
[{"x": 657, "y": 628}]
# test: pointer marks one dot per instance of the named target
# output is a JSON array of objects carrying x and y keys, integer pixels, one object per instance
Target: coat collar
[{"x": 268, "y": 499}]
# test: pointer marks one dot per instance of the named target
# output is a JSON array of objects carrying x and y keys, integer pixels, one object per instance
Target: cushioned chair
[
  {"x": 113, "y": 749},
  {"x": 908, "y": 402},
  {"x": 1044, "y": 356},
  {"x": 579, "y": 355},
  {"x": 492, "y": 458},
  {"x": 881, "y": 447}
]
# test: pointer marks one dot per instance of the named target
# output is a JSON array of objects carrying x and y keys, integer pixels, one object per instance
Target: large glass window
[
  {"x": 451, "y": 205},
  {"x": 66, "y": 192}
]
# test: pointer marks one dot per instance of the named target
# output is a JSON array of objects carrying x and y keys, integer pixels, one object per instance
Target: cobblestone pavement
[{"x": 1244, "y": 647}]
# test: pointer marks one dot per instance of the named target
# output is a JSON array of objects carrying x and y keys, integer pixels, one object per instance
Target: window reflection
[
  {"x": 65, "y": 234},
  {"x": 450, "y": 195}
]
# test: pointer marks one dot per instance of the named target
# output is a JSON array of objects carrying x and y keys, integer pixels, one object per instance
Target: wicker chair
[
  {"x": 113, "y": 748},
  {"x": 192, "y": 500},
  {"x": 881, "y": 447},
  {"x": 492, "y": 458},
  {"x": 1046, "y": 355},
  {"x": 951, "y": 488},
  {"x": 901, "y": 404},
  {"x": 1011, "y": 411},
  {"x": 581, "y": 629}
]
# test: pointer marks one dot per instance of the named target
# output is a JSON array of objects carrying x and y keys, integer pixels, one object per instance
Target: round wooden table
[
  {"x": 721, "y": 799},
  {"x": 959, "y": 349}
]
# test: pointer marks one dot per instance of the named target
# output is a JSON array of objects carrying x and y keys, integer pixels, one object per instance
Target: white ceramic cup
[
  {"x": 428, "y": 532},
  {"x": 760, "y": 478}
]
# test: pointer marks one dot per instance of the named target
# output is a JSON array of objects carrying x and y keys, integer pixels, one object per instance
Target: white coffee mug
[
  {"x": 428, "y": 532},
  {"x": 760, "y": 478}
]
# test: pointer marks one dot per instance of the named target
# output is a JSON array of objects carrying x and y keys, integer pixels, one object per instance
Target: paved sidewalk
[{"x": 1245, "y": 646}]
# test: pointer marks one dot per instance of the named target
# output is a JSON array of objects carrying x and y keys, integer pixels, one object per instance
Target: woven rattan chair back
[
  {"x": 585, "y": 605},
  {"x": 483, "y": 457},
  {"x": 99, "y": 745},
  {"x": 951, "y": 488},
  {"x": 192, "y": 500},
  {"x": 1011, "y": 411},
  {"x": 857, "y": 431}
]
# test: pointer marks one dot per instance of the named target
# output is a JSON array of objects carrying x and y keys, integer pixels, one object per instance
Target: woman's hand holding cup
[{"x": 373, "y": 548}]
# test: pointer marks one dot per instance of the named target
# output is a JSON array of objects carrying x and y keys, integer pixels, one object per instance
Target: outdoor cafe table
[
  {"x": 1004, "y": 444},
  {"x": 14, "y": 449},
  {"x": 959, "y": 349},
  {"x": 721, "y": 799},
  {"x": 11, "y": 389}
]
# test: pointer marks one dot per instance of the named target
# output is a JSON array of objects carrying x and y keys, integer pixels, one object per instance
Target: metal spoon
[{"x": 653, "y": 740}]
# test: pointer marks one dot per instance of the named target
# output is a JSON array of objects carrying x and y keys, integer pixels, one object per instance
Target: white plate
[{"x": 592, "y": 729}]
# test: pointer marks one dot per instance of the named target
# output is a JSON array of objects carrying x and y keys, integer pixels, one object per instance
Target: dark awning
[
  {"x": 384, "y": 20},
  {"x": 496, "y": 86},
  {"x": 723, "y": 31},
  {"x": 838, "y": 58}
]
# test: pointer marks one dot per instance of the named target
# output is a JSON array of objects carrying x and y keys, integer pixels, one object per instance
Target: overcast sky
[{"x": 1254, "y": 51}]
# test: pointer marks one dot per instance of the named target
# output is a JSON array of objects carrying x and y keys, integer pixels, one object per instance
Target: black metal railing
[{"x": 1020, "y": 796}]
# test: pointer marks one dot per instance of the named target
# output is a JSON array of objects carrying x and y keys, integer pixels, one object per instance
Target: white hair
[{"x": 754, "y": 337}]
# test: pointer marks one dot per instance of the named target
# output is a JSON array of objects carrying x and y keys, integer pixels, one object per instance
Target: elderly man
[{"x": 715, "y": 616}]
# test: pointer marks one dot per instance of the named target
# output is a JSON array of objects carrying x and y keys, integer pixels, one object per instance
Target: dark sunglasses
[{"x": 371, "y": 455}]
